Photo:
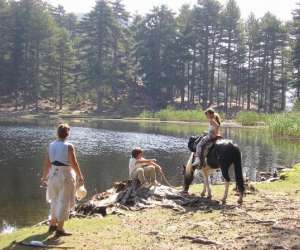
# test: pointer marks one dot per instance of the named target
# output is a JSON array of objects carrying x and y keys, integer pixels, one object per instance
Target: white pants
[{"x": 61, "y": 191}]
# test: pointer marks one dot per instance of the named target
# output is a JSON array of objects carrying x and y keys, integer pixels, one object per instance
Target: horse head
[{"x": 188, "y": 173}]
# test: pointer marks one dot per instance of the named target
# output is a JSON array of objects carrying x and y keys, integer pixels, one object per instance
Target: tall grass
[
  {"x": 250, "y": 118},
  {"x": 146, "y": 115},
  {"x": 287, "y": 124},
  {"x": 170, "y": 114},
  {"x": 284, "y": 124}
]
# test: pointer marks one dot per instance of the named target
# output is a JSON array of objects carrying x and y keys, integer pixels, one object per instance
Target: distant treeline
[{"x": 205, "y": 54}]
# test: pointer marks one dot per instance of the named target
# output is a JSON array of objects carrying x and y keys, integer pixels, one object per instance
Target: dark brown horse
[{"x": 221, "y": 155}]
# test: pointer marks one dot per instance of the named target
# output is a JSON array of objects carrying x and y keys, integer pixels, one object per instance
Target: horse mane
[{"x": 189, "y": 171}]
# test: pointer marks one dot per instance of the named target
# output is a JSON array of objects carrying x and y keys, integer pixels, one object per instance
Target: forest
[{"x": 110, "y": 59}]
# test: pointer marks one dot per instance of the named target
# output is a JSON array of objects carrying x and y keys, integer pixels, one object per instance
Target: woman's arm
[
  {"x": 74, "y": 163},
  {"x": 145, "y": 161},
  {"x": 46, "y": 168}
]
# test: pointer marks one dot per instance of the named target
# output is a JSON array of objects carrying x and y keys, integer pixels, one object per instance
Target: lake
[{"x": 103, "y": 149}]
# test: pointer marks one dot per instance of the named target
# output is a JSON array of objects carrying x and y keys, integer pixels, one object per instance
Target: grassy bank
[
  {"x": 170, "y": 114},
  {"x": 254, "y": 225},
  {"x": 283, "y": 124}
]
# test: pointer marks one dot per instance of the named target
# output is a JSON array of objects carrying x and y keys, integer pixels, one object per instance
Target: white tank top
[{"x": 59, "y": 151}]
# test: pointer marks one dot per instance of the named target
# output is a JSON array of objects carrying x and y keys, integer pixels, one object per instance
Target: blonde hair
[{"x": 216, "y": 115}]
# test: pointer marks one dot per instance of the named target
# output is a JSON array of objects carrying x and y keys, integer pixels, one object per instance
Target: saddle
[{"x": 194, "y": 140}]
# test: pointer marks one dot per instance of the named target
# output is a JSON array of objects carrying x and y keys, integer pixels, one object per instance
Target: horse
[{"x": 222, "y": 154}]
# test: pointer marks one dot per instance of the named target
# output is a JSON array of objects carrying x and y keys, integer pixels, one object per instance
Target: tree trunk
[
  {"x": 283, "y": 85},
  {"x": 205, "y": 71},
  {"x": 61, "y": 85},
  {"x": 37, "y": 78},
  {"x": 271, "y": 91},
  {"x": 212, "y": 77},
  {"x": 227, "y": 74},
  {"x": 193, "y": 77},
  {"x": 248, "y": 80}
]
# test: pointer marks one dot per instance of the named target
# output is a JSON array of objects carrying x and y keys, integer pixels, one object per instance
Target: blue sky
[{"x": 281, "y": 8}]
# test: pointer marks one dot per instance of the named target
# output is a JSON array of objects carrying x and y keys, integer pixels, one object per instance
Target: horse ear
[{"x": 184, "y": 167}]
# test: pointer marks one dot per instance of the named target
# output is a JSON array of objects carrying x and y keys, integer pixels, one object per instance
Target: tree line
[{"x": 204, "y": 55}]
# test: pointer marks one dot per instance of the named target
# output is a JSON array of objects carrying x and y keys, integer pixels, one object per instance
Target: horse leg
[
  {"x": 227, "y": 183},
  {"x": 204, "y": 183},
  {"x": 205, "y": 171},
  {"x": 226, "y": 176}
]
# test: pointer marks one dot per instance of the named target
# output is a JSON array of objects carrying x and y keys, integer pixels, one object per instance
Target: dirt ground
[{"x": 266, "y": 220}]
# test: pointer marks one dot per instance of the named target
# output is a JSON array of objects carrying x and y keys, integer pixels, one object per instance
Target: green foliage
[
  {"x": 146, "y": 115},
  {"x": 284, "y": 124},
  {"x": 206, "y": 50},
  {"x": 250, "y": 118},
  {"x": 296, "y": 107},
  {"x": 170, "y": 114}
]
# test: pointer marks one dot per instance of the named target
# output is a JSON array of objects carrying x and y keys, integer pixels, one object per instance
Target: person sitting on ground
[
  {"x": 213, "y": 133},
  {"x": 143, "y": 169}
]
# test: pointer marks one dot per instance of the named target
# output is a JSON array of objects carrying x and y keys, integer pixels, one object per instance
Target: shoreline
[
  {"x": 253, "y": 225},
  {"x": 35, "y": 117}
]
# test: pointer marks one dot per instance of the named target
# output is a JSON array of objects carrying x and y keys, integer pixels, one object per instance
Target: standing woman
[
  {"x": 213, "y": 132},
  {"x": 59, "y": 172}
]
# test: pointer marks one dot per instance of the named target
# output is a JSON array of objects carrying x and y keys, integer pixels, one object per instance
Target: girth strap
[{"x": 58, "y": 164}]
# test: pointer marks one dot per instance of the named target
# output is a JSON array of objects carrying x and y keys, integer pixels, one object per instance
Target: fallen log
[{"x": 130, "y": 196}]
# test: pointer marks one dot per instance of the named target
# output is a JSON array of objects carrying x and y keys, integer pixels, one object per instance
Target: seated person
[{"x": 142, "y": 169}]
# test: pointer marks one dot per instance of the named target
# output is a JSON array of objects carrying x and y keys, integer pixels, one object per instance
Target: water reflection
[{"x": 104, "y": 150}]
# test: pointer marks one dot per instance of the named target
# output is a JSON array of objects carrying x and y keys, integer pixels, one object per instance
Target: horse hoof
[
  {"x": 240, "y": 201},
  {"x": 183, "y": 192},
  {"x": 209, "y": 197},
  {"x": 202, "y": 195},
  {"x": 223, "y": 202}
]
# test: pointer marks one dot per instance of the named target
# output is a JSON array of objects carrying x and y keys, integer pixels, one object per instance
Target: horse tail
[
  {"x": 239, "y": 178},
  {"x": 189, "y": 173}
]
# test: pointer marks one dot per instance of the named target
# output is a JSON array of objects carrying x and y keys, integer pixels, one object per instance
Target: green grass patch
[
  {"x": 289, "y": 183},
  {"x": 95, "y": 233}
]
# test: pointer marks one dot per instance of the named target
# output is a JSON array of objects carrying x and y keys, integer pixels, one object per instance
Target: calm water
[{"x": 103, "y": 151}]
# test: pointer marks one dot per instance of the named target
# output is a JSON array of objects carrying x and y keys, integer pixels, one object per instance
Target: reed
[
  {"x": 170, "y": 114},
  {"x": 284, "y": 124},
  {"x": 250, "y": 118}
]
